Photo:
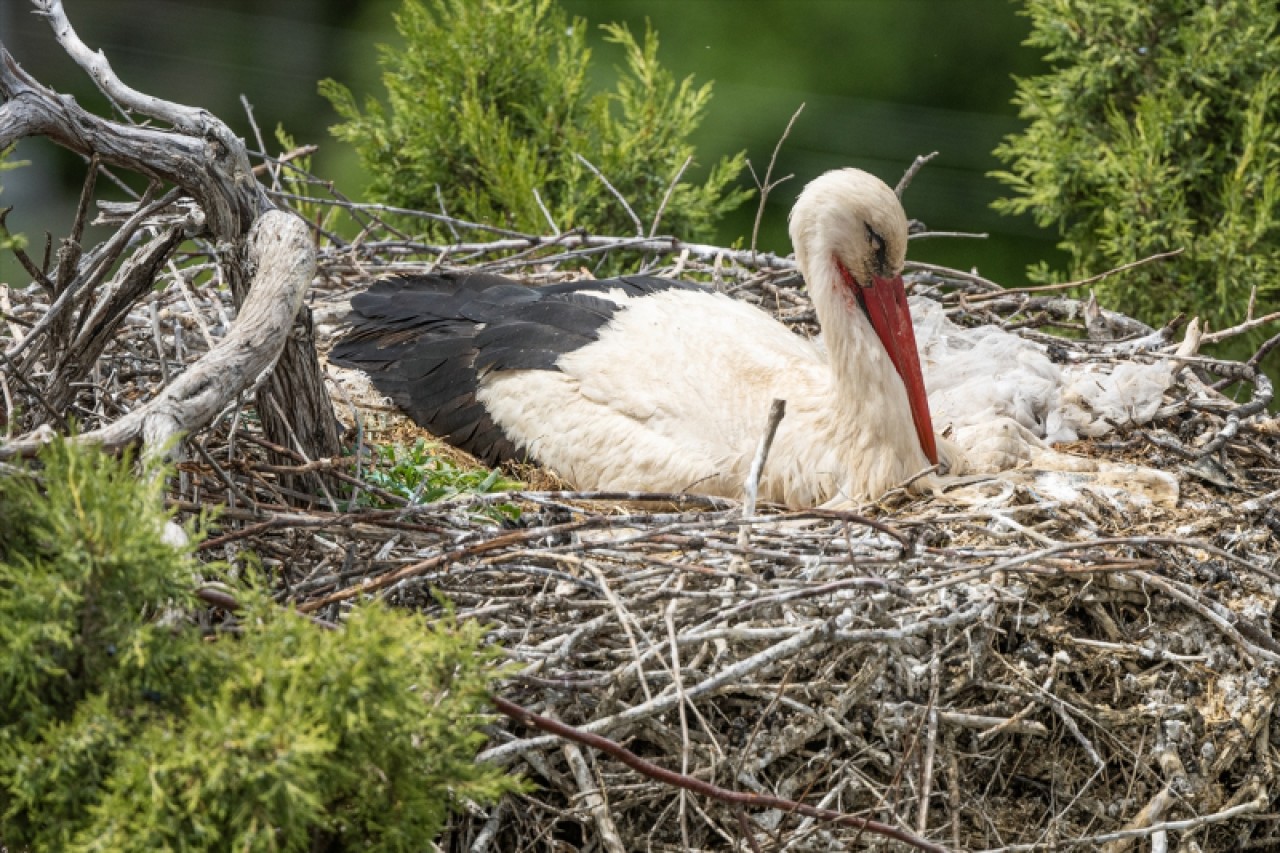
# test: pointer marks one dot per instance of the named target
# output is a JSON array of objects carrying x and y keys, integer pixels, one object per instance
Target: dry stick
[
  {"x": 614, "y": 190},
  {"x": 958, "y": 235},
  {"x": 546, "y": 214},
  {"x": 180, "y": 280},
  {"x": 1262, "y": 393},
  {"x": 744, "y": 827},
  {"x": 1224, "y": 619},
  {"x": 677, "y": 676},
  {"x": 697, "y": 786},
  {"x": 777, "y": 409},
  {"x": 801, "y": 834},
  {"x": 767, "y": 186},
  {"x": 422, "y": 567},
  {"x": 484, "y": 840},
  {"x": 1146, "y": 816},
  {"x": 69, "y": 259},
  {"x": 593, "y": 799},
  {"x": 333, "y": 504},
  {"x": 187, "y": 119},
  {"x": 844, "y": 515},
  {"x": 204, "y": 156},
  {"x": 814, "y": 635},
  {"x": 1134, "y": 541},
  {"x": 1247, "y": 326},
  {"x": 909, "y": 175},
  {"x": 666, "y": 197},
  {"x": 37, "y": 274},
  {"x": 34, "y": 392},
  {"x": 106, "y": 253},
  {"x": 1270, "y": 344},
  {"x": 930, "y": 744},
  {"x": 273, "y": 169},
  {"x": 220, "y": 472},
  {"x": 625, "y": 620},
  {"x": 158, "y": 340},
  {"x": 280, "y": 244},
  {"x": 1255, "y": 805},
  {"x": 679, "y": 499},
  {"x": 580, "y": 242},
  {"x": 8, "y": 408},
  {"x": 1067, "y": 285}
]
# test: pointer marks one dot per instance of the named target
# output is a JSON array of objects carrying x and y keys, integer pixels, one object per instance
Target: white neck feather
[
  {"x": 868, "y": 419},
  {"x": 865, "y": 428}
]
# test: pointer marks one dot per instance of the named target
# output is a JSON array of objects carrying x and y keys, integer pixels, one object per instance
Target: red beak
[{"x": 886, "y": 304}]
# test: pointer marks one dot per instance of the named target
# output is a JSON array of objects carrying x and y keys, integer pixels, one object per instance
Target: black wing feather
[{"x": 428, "y": 341}]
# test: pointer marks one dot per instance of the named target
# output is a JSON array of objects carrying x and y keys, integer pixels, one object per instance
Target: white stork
[{"x": 650, "y": 384}]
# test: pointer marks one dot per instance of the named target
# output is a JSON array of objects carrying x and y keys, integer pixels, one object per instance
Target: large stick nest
[{"x": 1008, "y": 676}]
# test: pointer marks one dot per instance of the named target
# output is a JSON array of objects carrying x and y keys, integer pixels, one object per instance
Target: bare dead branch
[
  {"x": 666, "y": 197},
  {"x": 908, "y": 176},
  {"x": 768, "y": 184},
  {"x": 705, "y": 789},
  {"x": 614, "y": 192},
  {"x": 283, "y": 255}
]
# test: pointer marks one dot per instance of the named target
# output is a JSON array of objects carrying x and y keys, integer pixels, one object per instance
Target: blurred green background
[{"x": 883, "y": 81}]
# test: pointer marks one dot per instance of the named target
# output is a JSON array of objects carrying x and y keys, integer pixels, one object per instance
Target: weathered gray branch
[
  {"x": 189, "y": 120},
  {"x": 205, "y": 160},
  {"x": 280, "y": 248},
  {"x": 213, "y": 166}
]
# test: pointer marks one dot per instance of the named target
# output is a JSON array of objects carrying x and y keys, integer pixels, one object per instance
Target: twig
[
  {"x": 930, "y": 745},
  {"x": 777, "y": 409},
  {"x": 729, "y": 675},
  {"x": 1262, "y": 351},
  {"x": 1067, "y": 285},
  {"x": 1222, "y": 618},
  {"x": 677, "y": 676},
  {"x": 767, "y": 185},
  {"x": 546, "y": 214},
  {"x": 593, "y": 799},
  {"x": 284, "y": 273},
  {"x": 31, "y": 389},
  {"x": 1255, "y": 805},
  {"x": 96, "y": 265},
  {"x": 614, "y": 191},
  {"x": 1240, "y": 328},
  {"x": 274, "y": 168},
  {"x": 666, "y": 196},
  {"x": 697, "y": 786},
  {"x": 912, "y": 170}
]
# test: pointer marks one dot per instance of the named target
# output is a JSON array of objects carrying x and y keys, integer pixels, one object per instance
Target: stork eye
[{"x": 879, "y": 251}]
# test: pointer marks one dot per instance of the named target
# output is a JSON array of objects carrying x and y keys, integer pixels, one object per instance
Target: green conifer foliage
[
  {"x": 122, "y": 728},
  {"x": 488, "y": 102},
  {"x": 1156, "y": 127}
]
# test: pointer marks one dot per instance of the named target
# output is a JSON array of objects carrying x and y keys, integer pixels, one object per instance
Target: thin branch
[
  {"x": 1067, "y": 285},
  {"x": 1240, "y": 328},
  {"x": 912, "y": 170},
  {"x": 806, "y": 638},
  {"x": 766, "y": 186},
  {"x": 706, "y": 789},
  {"x": 1255, "y": 805},
  {"x": 666, "y": 196},
  {"x": 614, "y": 190},
  {"x": 189, "y": 120},
  {"x": 777, "y": 409},
  {"x": 285, "y": 267}
]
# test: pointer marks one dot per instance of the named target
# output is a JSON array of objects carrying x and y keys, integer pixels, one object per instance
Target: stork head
[{"x": 850, "y": 236}]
